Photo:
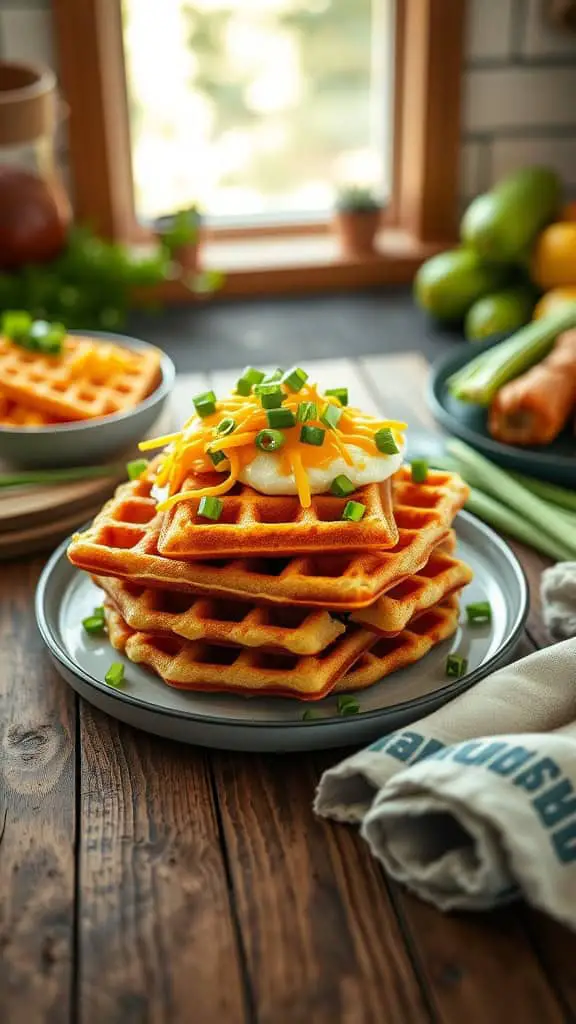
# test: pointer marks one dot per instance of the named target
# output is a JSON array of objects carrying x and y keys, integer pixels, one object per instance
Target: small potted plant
[
  {"x": 179, "y": 235},
  {"x": 356, "y": 220}
]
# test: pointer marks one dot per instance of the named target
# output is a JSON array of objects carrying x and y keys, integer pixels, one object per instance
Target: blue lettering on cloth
[
  {"x": 537, "y": 774},
  {"x": 556, "y": 804},
  {"x": 511, "y": 760},
  {"x": 564, "y": 843}
]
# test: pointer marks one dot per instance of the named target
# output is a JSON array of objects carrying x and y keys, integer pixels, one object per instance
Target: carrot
[{"x": 534, "y": 408}]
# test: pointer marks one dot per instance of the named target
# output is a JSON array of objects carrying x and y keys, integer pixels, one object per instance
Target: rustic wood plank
[
  {"x": 322, "y": 940},
  {"x": 533, "y": 565},
  {"x": 37, "y": 814},
  {"x": 556, "y": 947},
  {"x": 479, "y": 967},
  {"x": 156, "y": 935}
]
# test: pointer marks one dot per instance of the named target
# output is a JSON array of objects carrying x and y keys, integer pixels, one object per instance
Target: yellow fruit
[
  {"x": 554, "y": 256},
  {"x": 553, "y": 300}
]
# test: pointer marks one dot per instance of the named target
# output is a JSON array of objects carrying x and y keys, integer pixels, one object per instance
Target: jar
[{"x": 34, "y": 206}]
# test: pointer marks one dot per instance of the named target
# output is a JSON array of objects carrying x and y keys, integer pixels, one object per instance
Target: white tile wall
[{"x": 519, "y": 84}]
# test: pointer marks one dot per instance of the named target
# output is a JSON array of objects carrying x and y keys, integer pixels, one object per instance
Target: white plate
[{"x": 65, "y": 596}]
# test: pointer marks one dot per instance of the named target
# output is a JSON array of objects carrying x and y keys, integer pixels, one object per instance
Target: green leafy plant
[
  {"x": 355, "y": 199},
  {"x": 178, "y": 229}
]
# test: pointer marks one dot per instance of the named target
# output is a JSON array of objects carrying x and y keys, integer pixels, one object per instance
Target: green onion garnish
[
  {"x": 280, "y": 418},
  {"x": 310, "y": 716},
  {"x": 271, "y": 395},
  {"x": 99, "y": 611},
  {"x": 94, "y": 624},
  {"x": 210, "y": 508},
  {"x": 115, "y": 674},
  {"x": 330, "y": 416},
  {"x": 354, "y": 511},
  {"x": 276, "y": 375},
  {"x": 217, "y": 457},
  {"x": 249, "y": 378},
  {"x": 312, "y": 435},
  {"x": 307, "y": 411},
  {"x": 295, "y": 379},
  {"x": 341, "y": 486},
  {"x": 269, "y": 440},
  {"x": 346, "y": 705},
  {"x": 135, "y": 468},
  {"x": 419, "y": 468},
  {"x": 455, "y": 666},
  {"x": 205, "y": 404},
  {"x": 16, "y": 325},
  {"x": 46, "y": 337},
  {"x": 226, "y": 426},
  {"x": 340, "y": 393},
  {"x": 384, "y": 441},
  {"x": 480, "y": 611}
]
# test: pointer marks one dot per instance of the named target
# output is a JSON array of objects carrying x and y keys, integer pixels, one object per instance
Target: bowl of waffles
[
  {"x": 277, "y": 545},
  {"x": 72, "y": 398}
]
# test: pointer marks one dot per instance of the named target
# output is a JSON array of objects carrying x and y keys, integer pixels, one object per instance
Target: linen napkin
[
  {"x": 558, "y": 594},
  {"x": 476, "y": 802}
]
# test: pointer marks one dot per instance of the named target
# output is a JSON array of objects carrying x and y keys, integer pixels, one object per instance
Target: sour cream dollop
[{"x": 264, "y": 473}]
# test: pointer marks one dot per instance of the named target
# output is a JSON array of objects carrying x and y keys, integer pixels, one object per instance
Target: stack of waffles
[
  {"x": 83, "y": 380},
  {"x": 273, "y": 598}
]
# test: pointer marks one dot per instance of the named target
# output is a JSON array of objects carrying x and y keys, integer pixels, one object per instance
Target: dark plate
[{"x": 555, "y": 462}]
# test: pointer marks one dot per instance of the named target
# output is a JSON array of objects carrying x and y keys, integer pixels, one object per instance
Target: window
[{"x": 258, "y": 110}]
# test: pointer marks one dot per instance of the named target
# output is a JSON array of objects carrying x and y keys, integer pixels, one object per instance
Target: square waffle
[
  {"x": 196, "y": 665},
  {"x": 68, "y": 387},
  {"x": 123, "y": 542},
  {"x": 14, "y": 414},
  {"x": 442, "y": 576},
  {"x": 259, "y": 524},
  {"x": 391, "y": 653},
  {"x": 300, "y": 631}
]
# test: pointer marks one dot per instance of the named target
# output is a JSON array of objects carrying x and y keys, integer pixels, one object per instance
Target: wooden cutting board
[{"x": 34, "y": 517}]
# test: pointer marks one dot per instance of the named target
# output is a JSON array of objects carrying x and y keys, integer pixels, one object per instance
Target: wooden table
[{"x": 142, "y": 882}]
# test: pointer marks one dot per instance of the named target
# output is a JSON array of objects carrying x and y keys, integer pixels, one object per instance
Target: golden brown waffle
[
  {"x": 258, "y": 524},
  {"x": 123, "y": 542},
  {"x": 442, "y": 576},
  {"x": 300, "y": 631},
  {"x": 392, "y": 653},
  {"x": 14, "y": 414},
  {"x": 69, "y": 387},
  {"x": 196, "y": 665}
]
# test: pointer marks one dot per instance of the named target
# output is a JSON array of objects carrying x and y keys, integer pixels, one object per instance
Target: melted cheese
[{"x": 267, "y": 474}]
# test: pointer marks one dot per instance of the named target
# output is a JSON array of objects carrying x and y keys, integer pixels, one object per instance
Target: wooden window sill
[{"x": 277, "y": 265}]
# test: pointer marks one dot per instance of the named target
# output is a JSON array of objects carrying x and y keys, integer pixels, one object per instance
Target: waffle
[
  {"x": 442, "y": 576},
  {"x": 392, "y": 653},
  {"x": 196, "y": 665},
  {"x": 123, "y": 542},
  {"x": 14, "y": 414},
  {"x": 261, "y": 524},
  {"x": 300, "y": 631},
  {"x": 68, "y": 386}
]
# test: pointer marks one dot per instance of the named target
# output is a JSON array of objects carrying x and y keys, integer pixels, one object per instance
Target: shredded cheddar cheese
[{"x": 187, "y": 453}]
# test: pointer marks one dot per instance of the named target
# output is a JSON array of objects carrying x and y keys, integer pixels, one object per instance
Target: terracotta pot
[{"x": 357, "y": 230}]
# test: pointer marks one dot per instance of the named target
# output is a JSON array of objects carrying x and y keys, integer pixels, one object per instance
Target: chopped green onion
[
  {"x": 115, "y": 674},
  {"x": 419, "y": 468},
  {"x": 280, "y": 418},
  {"x": 226, "y": 426},
  {"x": 269, "y": 440},
  {"x": 347, "y": 705},
  {"x": 384, "y": 441},
  {"x": 210, "y": 508},
  {"x": 205, "y": 404},
  {"x": 340, "y": 393},
  {"x": 16, "y": 325},
  {"x": 135, "y": 468},
  {"x": 480, "y": 611},
  {"x": 455, "y": 666},
  {"x": 330, "y": 416},
  {"x": 307, "y": 411},
  {"x": 217, "y": 457},
  {"x": 295, "y": 379},
  {"x": 271, "y": 395},
  {"x": 310, "y": 716},
  {"x": 274, "y": 376},
  {"x": 354, "y": 511},
  {"x": 46, "y": 337},
  {"x": 342, "y": 486},
  {"x": 312, "y": 435},
  {"x": 99, "y": 611},
  {"x": 94, "y": 624},
  {"x": 249, "y": 378}
]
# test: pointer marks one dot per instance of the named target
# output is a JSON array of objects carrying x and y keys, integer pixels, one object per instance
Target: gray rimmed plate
[{"x": 65, "y": 596}]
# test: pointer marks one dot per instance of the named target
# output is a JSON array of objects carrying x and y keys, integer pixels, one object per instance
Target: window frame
[{"x": 421, "y": 216}]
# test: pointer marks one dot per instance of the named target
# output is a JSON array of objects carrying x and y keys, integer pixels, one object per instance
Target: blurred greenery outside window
[{"x": 258, "y": 110}]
